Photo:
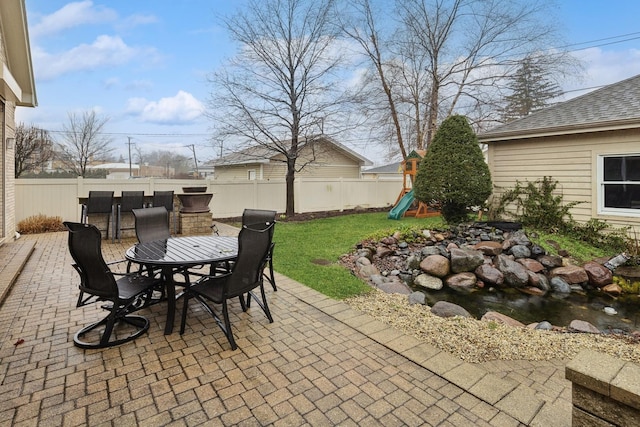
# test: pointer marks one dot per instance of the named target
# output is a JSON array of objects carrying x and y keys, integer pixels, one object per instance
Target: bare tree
[
  {"x": 34, "y": 149},
  {"x": 446, "y": 56},
  {"x": 282, "y": 89},
  {"x": 83, "y": 141}
]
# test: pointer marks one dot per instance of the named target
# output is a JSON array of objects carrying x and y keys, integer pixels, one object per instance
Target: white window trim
[
  {"x": 255, "y": 175},
  {"x": 602, "y": 210}
]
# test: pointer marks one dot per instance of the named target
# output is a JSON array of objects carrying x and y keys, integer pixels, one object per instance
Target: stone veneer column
[
  {"x": 195, "y": 223},
  {"x": 605, "y": 390}
]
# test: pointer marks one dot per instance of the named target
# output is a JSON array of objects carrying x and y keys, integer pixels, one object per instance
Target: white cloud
[
  {"x": 179, "y": 109},
  {"x": 135, "y": 20},
  {"x": 603, "y": 67},
  {"x": 104, "y": 52},
  {"x": 72, "y": 15}
]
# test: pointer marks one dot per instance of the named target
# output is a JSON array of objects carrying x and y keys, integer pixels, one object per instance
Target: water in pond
[{"x": 559, "y": 311}]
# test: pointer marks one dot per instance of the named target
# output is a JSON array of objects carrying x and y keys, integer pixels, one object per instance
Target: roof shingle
[{"x": 612, "y": 105}]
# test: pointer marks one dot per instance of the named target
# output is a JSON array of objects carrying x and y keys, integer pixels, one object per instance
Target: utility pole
[
  {"x": 129, "y": 143},
  {"x": 193, "y": 149}
]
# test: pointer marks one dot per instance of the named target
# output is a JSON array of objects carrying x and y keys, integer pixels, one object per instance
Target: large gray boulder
[
  {"x": 448, "y": 309},
  {"x": 490, "y": 275},
  {"x": 515, "y": 274},
  {"x": 463, "y": 259}
]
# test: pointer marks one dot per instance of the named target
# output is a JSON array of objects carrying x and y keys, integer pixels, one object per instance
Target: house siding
[
  {"x": 329, "y": 163},
  {"x": 570, "y": 160}
]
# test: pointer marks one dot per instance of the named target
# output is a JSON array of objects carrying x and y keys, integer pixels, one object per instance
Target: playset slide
[{"x": 401, "y": 207}]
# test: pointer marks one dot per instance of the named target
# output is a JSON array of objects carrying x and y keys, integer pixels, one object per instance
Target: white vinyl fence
[{"x": 60, "y": 197}]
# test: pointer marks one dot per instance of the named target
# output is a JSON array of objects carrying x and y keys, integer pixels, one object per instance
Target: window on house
[
  {"x": 620, "y": 184},
  {"x": 251, "y": 174}
]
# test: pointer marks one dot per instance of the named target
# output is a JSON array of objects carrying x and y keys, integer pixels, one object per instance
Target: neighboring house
[
  {"x": 118, "y": 170},
  {"x": 390, "y": 171},
  {"x": 17, "y": 89},
  {"x": 326, "y": 158},
  {"x": 590, "y": 145},
  {"x": 124, "y": 170}
]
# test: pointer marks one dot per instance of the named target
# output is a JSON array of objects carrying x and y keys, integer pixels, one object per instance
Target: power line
[{"x": 603, "y": 39}]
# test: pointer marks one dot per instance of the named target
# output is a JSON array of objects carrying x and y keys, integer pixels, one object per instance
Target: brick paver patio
[{"x": 319, "y": 364}]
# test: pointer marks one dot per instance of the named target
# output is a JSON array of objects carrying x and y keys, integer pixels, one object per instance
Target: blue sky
[{"x": 144, "y": 63}]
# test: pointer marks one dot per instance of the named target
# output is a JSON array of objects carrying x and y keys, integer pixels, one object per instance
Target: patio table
[{"x": 176, "y": 253}]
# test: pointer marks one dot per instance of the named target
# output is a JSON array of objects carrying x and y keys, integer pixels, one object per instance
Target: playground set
[{"x": 406, "y": 204}]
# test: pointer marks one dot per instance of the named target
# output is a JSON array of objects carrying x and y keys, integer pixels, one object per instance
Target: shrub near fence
[{"x": 60, "y": 197}]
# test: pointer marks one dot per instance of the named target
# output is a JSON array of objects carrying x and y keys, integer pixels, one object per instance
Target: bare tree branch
[
  {"x": 33, "y": 150},
  {"x": 283, "y": 87},
  {"x": 83, "y": 141}
]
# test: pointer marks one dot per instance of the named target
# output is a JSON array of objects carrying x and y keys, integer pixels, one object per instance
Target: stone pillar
[
  {"x": 195, "y": 223},
  {"x": 605, "y": 390}
]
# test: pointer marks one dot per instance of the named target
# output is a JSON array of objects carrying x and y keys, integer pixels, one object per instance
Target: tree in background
[
  {"x": 531, "y": 89},
  {"x": 33, "y": 149},
  {"x": 83, "y": 141},
  {"x": 453, "y": 174},
  {"x": 282, "y": 89},
  {"x": 443, "y": 57},
  {"x": 180, "y": 164}
]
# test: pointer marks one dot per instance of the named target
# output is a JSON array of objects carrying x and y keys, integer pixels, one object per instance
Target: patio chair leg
[{"x": 227, "y": 326}]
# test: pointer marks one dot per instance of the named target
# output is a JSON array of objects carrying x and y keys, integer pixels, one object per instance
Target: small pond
[{"x": 557, "y": 310}]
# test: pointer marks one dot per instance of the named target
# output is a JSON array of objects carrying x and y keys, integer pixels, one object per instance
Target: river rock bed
[{"x": 481, "y": 256}]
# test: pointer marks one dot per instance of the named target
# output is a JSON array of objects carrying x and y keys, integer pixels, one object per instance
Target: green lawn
[{"x": 308, "y": 252}]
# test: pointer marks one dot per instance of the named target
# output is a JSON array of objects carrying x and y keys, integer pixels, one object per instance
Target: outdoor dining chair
[
  {"x": 254, "y": 216},
  {"x": 254, "y": 242},
  {"x": 152, "y": 224},
  {"x": 129, "y": 201},
  {"x": 99, "y": 202},
  {"x": 165, "y": 198},
  {"x": 98, "y": 283}
]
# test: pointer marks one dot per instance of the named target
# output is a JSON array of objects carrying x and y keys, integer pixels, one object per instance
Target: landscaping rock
[
  {"x": 514, "y": 273},
  {"x": 582, "y": 326},
  {"x": 612, "y": 289},
  {"x": 395, "y": 287},
  {"x": 544, "y": 326},
  {"x": 494, "y": 316},
  {"x": 448, "y": 309},
  {"x": 489, "y": 274},
  {"x": 464, "y": 280},
  {"x": 463, "y": 260},
  {"x": 572, "y": 274},
  {"x": 427, "y": 281},
  {"x": 417, "y": 298},
  {"x": 599, "y": 275},
  {"x": 559, "y": 285},
  {"x": 436, "y": 265},
  {"x": 490, "y": 248},
  {"x": 520, "y": 251},
  {"x": 531, "y": 264}
]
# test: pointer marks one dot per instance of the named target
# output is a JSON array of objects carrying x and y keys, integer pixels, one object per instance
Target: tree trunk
[{"x": 290, "y": 205}]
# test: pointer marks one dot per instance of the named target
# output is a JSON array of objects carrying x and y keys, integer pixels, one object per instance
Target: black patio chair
[
  {"x": 129, "y": 201},
  {"x": 165, "y": 198},
  {"x": 254, "y": 216},
  {"x": 99, "y": 202},
  {"x": 254, "y": 242},
  {"x": 153, "y": 224},
  {"x": 98, "y": 283}
]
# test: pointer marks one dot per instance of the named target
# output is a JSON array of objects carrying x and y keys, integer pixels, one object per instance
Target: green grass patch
[
  {"x": 578, "y": 249},
  {"x": 308, "y": 252}
]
